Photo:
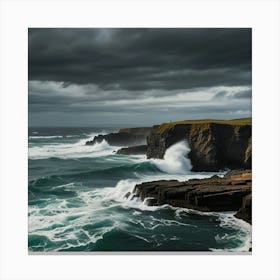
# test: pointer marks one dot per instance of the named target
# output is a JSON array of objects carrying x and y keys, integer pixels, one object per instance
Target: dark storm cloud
[
  {"x": 141, "y": 59},
  {"x": 144, "y": 76}
]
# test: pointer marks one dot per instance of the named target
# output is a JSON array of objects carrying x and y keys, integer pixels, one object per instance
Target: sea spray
[
  {"x": 175, "y": 160},
  {"x": 70, "y": 150},
  {"x": 77, "y": 200},
  {"x": 45, "y": 137}
]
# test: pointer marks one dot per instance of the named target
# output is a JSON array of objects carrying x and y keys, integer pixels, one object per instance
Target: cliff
[
  {"x": 229, "y": 193},
  {"x": 214, "y": 144},
  {"x": 125, "y": 137},
  {"x": 245, "y": 211}
]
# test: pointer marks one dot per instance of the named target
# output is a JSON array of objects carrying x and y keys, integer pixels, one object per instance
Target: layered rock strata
[
  {"x": 229, "y": 193},
  {"x": 214, "y": 145}
]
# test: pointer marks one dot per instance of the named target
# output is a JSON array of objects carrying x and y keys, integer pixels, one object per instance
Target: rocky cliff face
[
  {"x": 245, "y": 211},
  {"x": 125, "y": 137},
  {"x": 214, "y": 145}
]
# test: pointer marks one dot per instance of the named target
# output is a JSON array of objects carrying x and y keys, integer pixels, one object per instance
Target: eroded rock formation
[
  {"x": 229, "y": 193},
  {"x": 214, "y": 145},
  {"x": 126, "y": 137}
]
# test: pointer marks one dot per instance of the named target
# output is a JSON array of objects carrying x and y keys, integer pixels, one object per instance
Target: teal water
[{"x": 76, "y": 200}]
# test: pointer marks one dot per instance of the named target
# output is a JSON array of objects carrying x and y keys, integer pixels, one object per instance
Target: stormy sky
[{"x": 118, "y": 77}]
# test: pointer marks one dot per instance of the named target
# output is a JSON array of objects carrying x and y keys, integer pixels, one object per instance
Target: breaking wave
[
  {"x": 71, "y": 150},
  {"x": 175, "y": 160},
  {"x": 91, "y": 218},
  {"x": 77, "y": 201}
]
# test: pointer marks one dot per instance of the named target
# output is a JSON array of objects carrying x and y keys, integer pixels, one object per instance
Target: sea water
[{"x": 76, "y": 199}]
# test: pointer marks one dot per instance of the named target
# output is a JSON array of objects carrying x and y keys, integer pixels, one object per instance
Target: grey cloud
[
  {"x": 139, "y": 59},
  {"x": 242, "y": 94},
  {"x": 246, "y": 94},
  {"x": 153, "y": 74}
]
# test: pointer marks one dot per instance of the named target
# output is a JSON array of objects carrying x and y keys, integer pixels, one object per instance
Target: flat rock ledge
[
  {"x": 134, "y": 150},
  {"x": 229, "y": 193}
]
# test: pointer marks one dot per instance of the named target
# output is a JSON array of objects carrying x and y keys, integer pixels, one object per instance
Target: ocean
[{"x": 76, "y": 200}]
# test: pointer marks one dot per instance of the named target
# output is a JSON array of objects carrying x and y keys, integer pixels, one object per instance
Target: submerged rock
[
  {"x": 229, "y": 193},
  {"x": 245, "y": 211},
  {"x": 127, "y": 195}
]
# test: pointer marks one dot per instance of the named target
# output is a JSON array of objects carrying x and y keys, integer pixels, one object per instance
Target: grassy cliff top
[{"x": 236, "y": 122}]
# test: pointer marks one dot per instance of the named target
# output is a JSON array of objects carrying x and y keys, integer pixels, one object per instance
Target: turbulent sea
[{"x": 76, "y": 200}]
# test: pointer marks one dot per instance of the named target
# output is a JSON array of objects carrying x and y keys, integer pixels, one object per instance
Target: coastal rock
[
  {"x": 214, "y": 145},
  {"x": 134, "y": 150},
  {"x": 127, "y": 195},
  {"x": 125, "y": 137},
  {"x": 228, "y": 193},
  {"x": 245, "y": 212}
]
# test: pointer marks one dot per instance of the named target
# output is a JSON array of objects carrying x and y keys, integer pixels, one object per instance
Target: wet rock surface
[
  {"x": 126, "y": 137},
  {"x": 245, "y": 212},
  {"x": 214, "y": 146},
  {"x": 229, "y": 193},
  {"x": 134, "y": 150}
]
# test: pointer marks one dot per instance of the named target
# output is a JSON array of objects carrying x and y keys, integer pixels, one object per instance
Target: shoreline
[
  {"x": 233, "y": 192},
  {"x": 114, "y": 194},
  {"x": 212, "y": 145}
]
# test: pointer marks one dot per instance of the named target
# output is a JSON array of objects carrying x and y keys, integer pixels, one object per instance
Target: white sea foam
[
  {"x": 71, "y": 136},
  {"x": 76, "y": 150},
  {"x": 175, "y": 160},
  {"x": 61, "y": 223},
  {"x": 53, "y": 220},
  {"x": 244, "y": 230},
  {"x": 228, "y": 221},
  {"x": 89, "y": 136},
  {"x": 45, "y": 137}
]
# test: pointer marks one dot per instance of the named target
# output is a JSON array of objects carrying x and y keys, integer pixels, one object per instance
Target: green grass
[{"x": 236, "y": 122}]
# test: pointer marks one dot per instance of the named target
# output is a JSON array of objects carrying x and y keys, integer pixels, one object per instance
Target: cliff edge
[{"x": 214, "y": 144}]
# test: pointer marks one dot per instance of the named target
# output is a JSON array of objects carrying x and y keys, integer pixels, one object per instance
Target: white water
[
  {"x": 229, "y": 221},
  {"x": 71, "y": 150},
  {"x": 175, "y": 160},
  {"x": 95, "y": 204},
  {"x": 45, "y": 137}
]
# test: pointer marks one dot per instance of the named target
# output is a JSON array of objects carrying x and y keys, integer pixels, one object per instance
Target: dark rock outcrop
[
  {"x": 245, "y": 212},
  {"x": 230, "y": 193},
  {"x": 126, "y": 137},
  {"x": 214, "y": 145},
  {"x": 134, "y": 150}
]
